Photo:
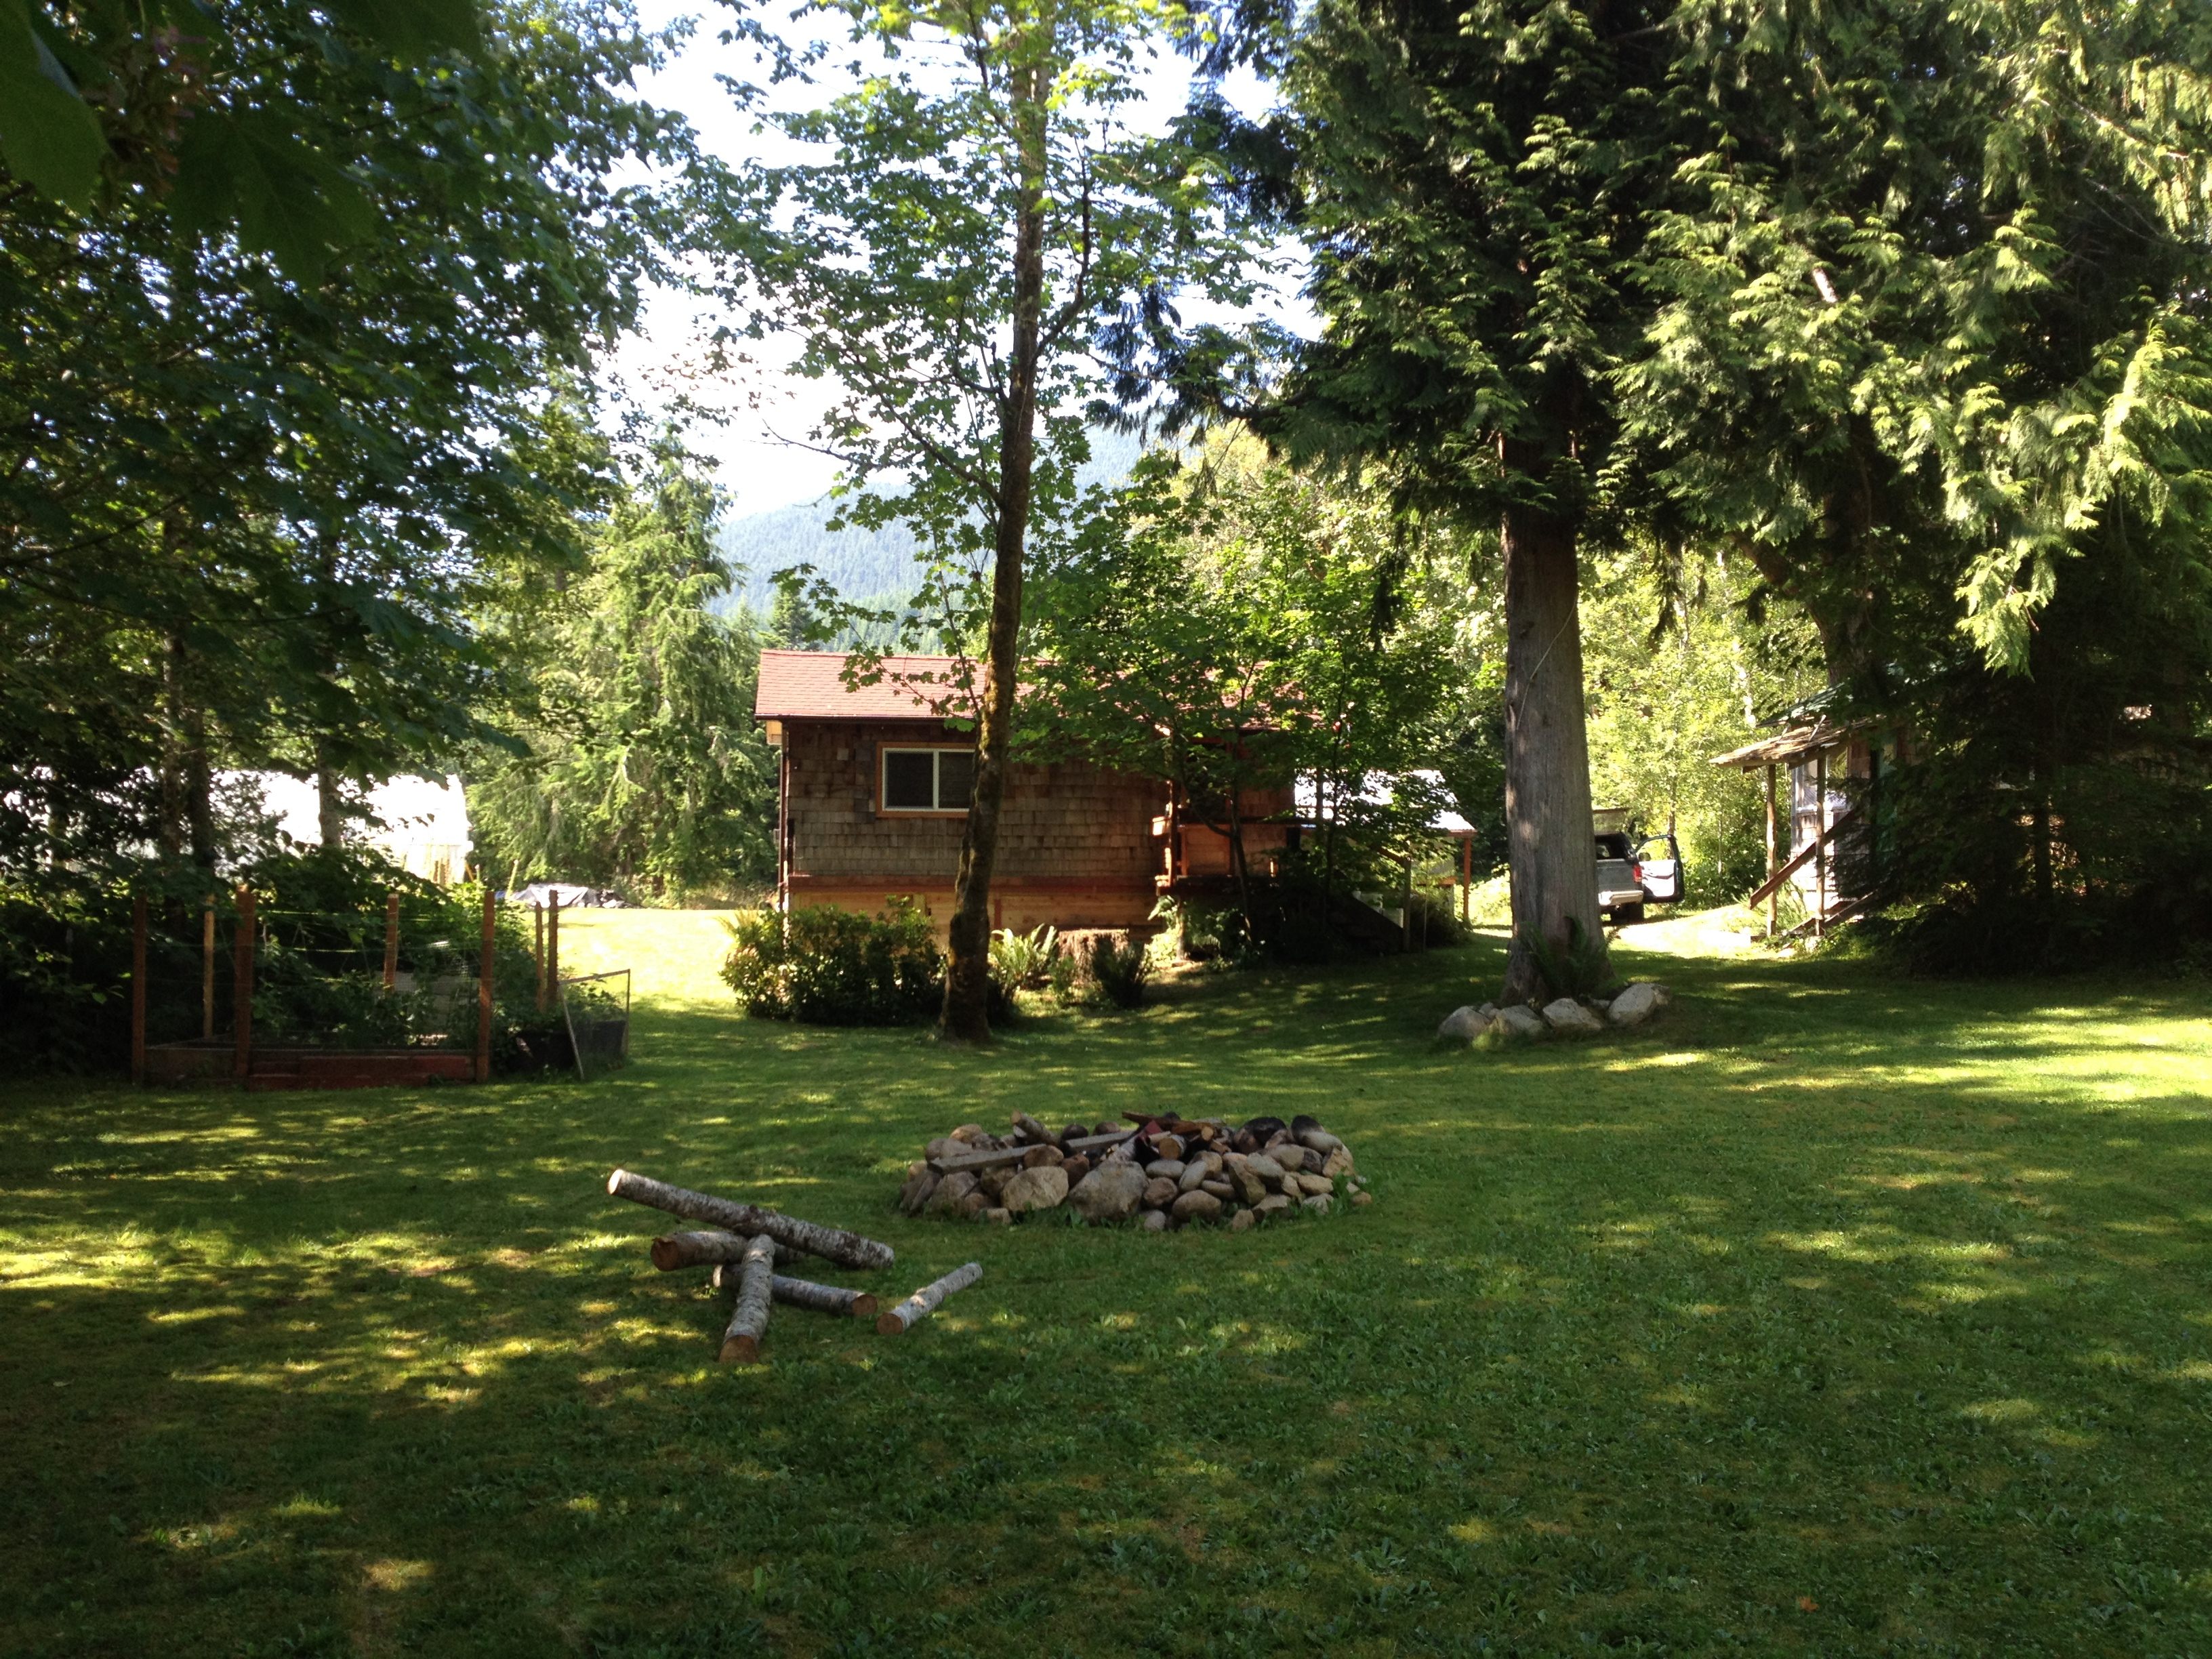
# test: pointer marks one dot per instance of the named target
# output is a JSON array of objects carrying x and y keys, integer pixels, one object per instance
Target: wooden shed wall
[{"x": 1075, "y": 841}]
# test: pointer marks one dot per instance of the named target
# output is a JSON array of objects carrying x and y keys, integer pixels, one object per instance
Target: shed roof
[
  {"x": 797, "y": 685},
  {"x": 1787, "y": 744}
]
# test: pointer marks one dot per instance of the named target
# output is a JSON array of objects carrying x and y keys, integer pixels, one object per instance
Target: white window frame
[{"x": 884, "y": 753}]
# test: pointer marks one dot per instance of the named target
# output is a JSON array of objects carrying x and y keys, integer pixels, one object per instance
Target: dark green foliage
[
  {"x": 1582, "y": 970},
  {"x": 826, "y": 966},
  {"x": 1119, "y": 967},
  {"x": 642, "y": 768}
]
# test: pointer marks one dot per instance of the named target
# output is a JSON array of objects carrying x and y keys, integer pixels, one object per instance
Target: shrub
[
  {"x": 1118, "y": 966},
  {"x": 1199, "y": 931},
  {"x": 1582, "y": 970},
  {"x": 831, "y": 967},
  {"x": 1023, "y": 962}
]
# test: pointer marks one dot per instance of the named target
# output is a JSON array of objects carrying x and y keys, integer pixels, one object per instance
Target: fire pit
[{"x": 1158, "y": 1172}]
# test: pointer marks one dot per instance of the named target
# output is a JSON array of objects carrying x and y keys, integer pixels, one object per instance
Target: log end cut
[
  {"x": 615, "y": 1181},
  {"x": 865, "y": 1305},
  {"x": 741, "y": 1351},
  {"x": 890, "y": 1324},
  {"x": 668, "y": 1254}
]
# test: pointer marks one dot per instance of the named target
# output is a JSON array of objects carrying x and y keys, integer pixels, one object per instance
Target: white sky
[{"x": 766, "y": 405}]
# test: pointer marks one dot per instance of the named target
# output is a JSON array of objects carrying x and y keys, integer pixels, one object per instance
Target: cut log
[
  {"x": 749, "y": 1319},
  {"x": 832, "y": 1243},
  {"x": 674, "y": 1250},
  {"x": 923, "y": 1303},
  {"x": 805, "y": 1293}
]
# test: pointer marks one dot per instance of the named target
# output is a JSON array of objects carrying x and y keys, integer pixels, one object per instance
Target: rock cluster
[
  {"x": 1160, "y": 1173},
  {"x": 1567, "y": 1016}
]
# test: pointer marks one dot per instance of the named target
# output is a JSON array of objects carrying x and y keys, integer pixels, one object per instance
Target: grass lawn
[{"x": 1829, "y": 1315}]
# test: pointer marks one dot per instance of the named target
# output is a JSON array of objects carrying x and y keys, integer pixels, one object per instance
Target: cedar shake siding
[{"x": 1076, "y": 847}]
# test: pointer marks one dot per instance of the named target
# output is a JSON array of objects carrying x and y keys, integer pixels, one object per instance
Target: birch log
[
  {"x": 749, "y": 1321},
  {"x": 832, "y": 1243},
  {"x": 923, "y": 1303},
  {"x": 674, "y": 1250},
  {"x": 805, "y": 1293}
]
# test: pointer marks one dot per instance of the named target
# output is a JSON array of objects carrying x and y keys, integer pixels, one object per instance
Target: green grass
[{"x": 1831, "y": 1314}]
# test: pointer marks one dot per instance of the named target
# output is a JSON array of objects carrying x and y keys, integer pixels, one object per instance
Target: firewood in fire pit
[{"x": 894, "y": 1321}]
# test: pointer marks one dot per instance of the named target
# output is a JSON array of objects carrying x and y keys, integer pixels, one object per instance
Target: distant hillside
[{"x": 859, "y": 563}]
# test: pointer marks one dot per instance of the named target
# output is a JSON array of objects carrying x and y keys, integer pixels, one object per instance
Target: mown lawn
[{"x": 1831, "y": 1315}]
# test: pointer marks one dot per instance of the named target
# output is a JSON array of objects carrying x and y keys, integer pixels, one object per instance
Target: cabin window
[{"x": 927, "y": 780}]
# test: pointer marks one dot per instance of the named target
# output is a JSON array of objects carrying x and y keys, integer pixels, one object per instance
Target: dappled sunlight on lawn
[{"x": 1888, "y": 1295}]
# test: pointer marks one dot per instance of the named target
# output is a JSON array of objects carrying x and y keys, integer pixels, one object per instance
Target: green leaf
[
  {"x": 48, "y": 134},
  {"x": 290, "y": 202},
  {"x": 413, "y": 28}
]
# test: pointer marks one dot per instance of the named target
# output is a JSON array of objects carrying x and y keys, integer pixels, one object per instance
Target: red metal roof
[{"x": 800, "y": 686}]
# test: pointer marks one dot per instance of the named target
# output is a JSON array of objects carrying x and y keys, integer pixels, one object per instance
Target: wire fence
[{"x": 465, "y": 987}]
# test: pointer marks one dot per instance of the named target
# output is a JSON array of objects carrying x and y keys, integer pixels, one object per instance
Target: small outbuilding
[
  {"x": 1817, "y": 843},
  {"x": 874, "y": 782}
]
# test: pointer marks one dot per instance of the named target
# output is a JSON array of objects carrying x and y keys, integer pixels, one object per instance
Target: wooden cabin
[{"x": 874, "y": 782}]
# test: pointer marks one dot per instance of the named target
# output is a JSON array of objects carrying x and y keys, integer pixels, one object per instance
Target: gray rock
[
  {"x": 1159, "y": 1194},
  {"x": 1030, "y": 1131},
  {"x": 917, "y": 1191},
  {"x": 1263, "y": 1165},
  {"x": 1001, "y": 1217},
  {"x": 1639, "y": 1003},
  {"x": 1241, "y": 1176},
  {"x": 1040, "y": 1189},
  {"x": 949, "y": 1193},
  {"x": 1464, "y": 1025},
  {"x": 1291, "y": 1156},
  {"x": 1111, "y": 1192},
  {"x": 971, "y": 1133},
  {"x": 1316, "y": 1185},
  {"x": 1518, "y": 1021},
  {"x": 1318, "y": 1204},
  {"x": 1319, "y": 1144},
  {"x": 1153, "y": 1221},
  {"x": 1195, "y": 1207},
  {"x": 1337, "y": 1162},
  {"x": 1273, "y": 1204},
  {"x": 1243, "y": 1221},
  {"x": 1571, "y": 1017},
  {"x": 1165, "y": 1168},
  {"x": 945, "y": 1146},
  {"x": 1193, "y": 1173},
  {"x": 1220, "y": 1188},
  {"x": 1363, "y": 1199}
]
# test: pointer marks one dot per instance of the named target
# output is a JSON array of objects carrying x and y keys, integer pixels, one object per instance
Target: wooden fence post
[
  {"x": 241, "y": 993},
  {"x": 138, "y": 991},
  {"x": 390, "y": 940},
  {"x": 1820, "y": 845},
  {"x": 553, "y": 946},
  {"x": 483, "y": 987},
  {"x": 207, "y": 968},
  {"x": 538, "y": 917},
  {"x": 1773, "y": 899}
]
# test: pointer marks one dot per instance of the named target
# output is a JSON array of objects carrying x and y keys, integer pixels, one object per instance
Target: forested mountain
[{"x": 861, "y": 564}]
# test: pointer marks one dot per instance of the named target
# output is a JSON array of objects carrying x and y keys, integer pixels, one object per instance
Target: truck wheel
[{"x": 1626, "y": 913}]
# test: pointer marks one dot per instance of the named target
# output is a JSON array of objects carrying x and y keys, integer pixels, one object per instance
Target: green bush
[
  {"x": 1023, "y": 962},
  {"x": 827, "y": 966},
  {"x": 1118, "y": 966}
]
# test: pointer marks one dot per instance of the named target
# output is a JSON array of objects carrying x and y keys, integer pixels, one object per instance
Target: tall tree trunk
[
  {"x": 966, "y": 1016},
  {"x": 329, "y": 803},
  {"x": 1550, "y": 849},
  {"x": 169, "y": 835}
]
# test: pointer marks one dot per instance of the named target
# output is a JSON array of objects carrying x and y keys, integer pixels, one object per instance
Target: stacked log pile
[
  {"x": 748, "y": 1245},
  {"x": 1160, "y": 1171}
]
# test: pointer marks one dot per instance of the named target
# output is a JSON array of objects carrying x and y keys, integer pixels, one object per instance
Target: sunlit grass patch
[{"x": 1820, "y": 1290}]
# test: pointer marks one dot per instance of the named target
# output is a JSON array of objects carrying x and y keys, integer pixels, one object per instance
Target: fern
[{"x": 1583, "y": 969}]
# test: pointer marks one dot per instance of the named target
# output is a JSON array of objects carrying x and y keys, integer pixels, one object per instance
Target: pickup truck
[{"x": 1634, "y": 869}]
